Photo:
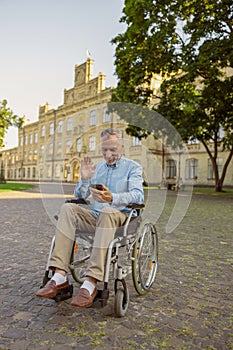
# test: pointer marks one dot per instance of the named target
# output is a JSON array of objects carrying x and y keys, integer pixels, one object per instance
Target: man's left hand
[{"x": 103, "y": 196}]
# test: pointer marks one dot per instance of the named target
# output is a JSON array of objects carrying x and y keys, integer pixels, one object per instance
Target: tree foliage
[
  {"x": 190, "y": 44},
  {"x": 7, "y": 119}
]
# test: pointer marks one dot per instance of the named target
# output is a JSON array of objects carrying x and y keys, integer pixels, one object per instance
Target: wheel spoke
[{"x": 145, "y": 259}]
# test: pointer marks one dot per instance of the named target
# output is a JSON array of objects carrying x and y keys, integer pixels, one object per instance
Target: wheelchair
[{"x": 134, "y": 250}]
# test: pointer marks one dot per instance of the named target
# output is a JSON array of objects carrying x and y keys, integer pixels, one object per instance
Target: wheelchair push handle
[
  {"x": 136, "y": 206},
  {"x": 77, "y": 201}
]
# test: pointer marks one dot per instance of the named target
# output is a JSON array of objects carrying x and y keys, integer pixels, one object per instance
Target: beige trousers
[{"x": 103, "y": 228}]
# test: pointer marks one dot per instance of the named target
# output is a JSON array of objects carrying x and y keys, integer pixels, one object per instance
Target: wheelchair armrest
[
  {"x": 74, "y": 200},
  {"x": 135, "y": 206},
  {"x": 77, "y": 201}
]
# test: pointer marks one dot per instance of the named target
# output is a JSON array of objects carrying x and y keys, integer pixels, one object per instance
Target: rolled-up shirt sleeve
[
  {"x": 135, "y": 192},
  {"x": 82, "y": 189}
]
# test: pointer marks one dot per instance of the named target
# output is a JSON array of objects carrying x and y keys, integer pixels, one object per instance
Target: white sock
[
  {"x": 89, "y": 286},
  {"x": 59, "y": 278}
]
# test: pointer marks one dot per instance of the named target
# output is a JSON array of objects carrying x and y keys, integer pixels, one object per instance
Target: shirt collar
[
  {"x": 111, "y": 165},
  {"x": 115, "y": 165}
]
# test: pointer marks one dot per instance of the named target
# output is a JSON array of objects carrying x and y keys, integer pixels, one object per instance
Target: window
[
  {"x": 170, "y": 169},
  {"x": 106, "y": 116},
  {"x": 93, "y": 118},
  {"x": 136, "y": 141},
  {"x": 26, "y": 139},
  {"x": 221, "y": 133},
  {"x": 28, "y": 173},
  {"x": 92, "y": 143},
  {"x": 49, "y": 171},
  {"x": 30, "y": 139},
  {"x": 79, "y": 145},
  {"x": 41, "y": 173},
  {"x": 21, "y": 141},
  {"x": 68, "y": 146},
  {"x": 43, "y": 130},
  {"x": 51, "y": 128},
  {"x": 36, "y": 137},
  {"x": 30, "y": 155},
  {"x": 191, "y": 168},
  {"x": 33, "y": 172},
  {"x": 42, "y": 150},
  {"x": 192, "y": 141},
  {"x": 50, "y": 148},
  {"x": 60, "y": 126},
  {"x": 35, "y": 154},
  {"x": 211, "y": 175},
  {"x": 69, "y": 124},
  {"x": 59, "y": 147}
]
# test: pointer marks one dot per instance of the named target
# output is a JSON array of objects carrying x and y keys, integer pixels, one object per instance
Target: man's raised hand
[{"x": 87, "y": 168}]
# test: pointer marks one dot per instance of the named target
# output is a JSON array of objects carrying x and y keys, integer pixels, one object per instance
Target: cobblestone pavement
[{"x": 189, "y": 307}]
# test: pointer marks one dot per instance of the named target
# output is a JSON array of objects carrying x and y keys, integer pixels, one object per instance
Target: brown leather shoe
[
  {"x": 50, "y": 290},
  {"x": 83, "y": 298}
]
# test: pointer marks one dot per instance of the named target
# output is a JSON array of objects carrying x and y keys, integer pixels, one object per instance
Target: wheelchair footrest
[
  {"x": 64, "y": 294},
  {"x": 101, "y": 299}
]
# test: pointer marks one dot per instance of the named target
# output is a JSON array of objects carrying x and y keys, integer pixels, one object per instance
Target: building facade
[{"x": 51, "y": 148}]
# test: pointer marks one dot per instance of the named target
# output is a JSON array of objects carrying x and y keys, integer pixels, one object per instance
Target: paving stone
[
  {"x": 21, "y": 345},
  {"x": 189, "y": 307}
]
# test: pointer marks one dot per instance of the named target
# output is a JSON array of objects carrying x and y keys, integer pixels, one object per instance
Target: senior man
[{"x": 122, "y": 184}]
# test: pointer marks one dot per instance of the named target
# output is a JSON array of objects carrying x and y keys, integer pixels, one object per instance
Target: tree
[
  {"x": 7, "y": 119},
  {"x": 190, "y": 44}
]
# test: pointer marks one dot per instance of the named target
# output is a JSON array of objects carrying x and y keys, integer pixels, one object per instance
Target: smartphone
[{"x": 97, "y": 186}]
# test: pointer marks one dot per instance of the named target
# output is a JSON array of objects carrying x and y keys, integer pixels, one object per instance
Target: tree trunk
[
  {"x": 2, "y": 178},
  {"x": 218, "y": 186},
  {"x": 218, "y": 180}
]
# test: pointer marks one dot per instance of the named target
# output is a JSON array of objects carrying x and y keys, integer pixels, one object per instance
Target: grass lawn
[
  {"x": 209, "y": 191},
  {"x": 11, "y": 186},
  {"x": 227, "y": 192}
]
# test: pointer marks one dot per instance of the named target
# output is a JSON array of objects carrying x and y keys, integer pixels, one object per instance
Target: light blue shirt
[{"x": 124, "y": 180}]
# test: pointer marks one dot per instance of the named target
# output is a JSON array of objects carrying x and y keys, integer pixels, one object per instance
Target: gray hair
[{"x": 112, "y": 131}]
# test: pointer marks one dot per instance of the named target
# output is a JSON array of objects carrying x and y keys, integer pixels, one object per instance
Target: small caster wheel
[{"x": 121, "y": 301}]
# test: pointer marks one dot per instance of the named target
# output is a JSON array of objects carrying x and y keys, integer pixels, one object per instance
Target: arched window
[
  {"x": 69, "y": 124},
  {"x": 43, "y": 130},
  {"x": 136, "y": 141},
  {"x": 106, "y": 116},
  {"x": 93, "y": 118},
  {"x": 191, "y": 168},
  {"x": 60, "y": 126},
  {"x": 92, "y": 143},
  {"x": 79, "y": 145},
  {"x": 170, "y": 169},
  {"x": 51, "y": 128}
]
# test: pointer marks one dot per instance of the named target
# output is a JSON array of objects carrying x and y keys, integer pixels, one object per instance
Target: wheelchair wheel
[
  {"x": 79, "y": 258},
  {"x": 121, "y": 300},
  {"x": 145, "y": 258}
]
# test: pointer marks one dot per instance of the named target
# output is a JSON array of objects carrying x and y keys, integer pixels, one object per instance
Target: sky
[{"x": 43, "y": 40}]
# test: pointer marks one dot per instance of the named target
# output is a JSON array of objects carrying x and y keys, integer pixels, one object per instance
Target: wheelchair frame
[{"x": 140, "y": 239}]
